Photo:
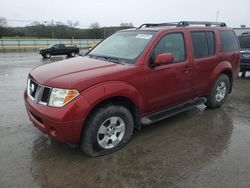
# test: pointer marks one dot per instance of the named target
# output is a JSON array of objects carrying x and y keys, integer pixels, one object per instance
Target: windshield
[
  {"x": 244, "y": 41},
  {"x": 123, "y": 46},
  {"x": 51, "y": 45}
]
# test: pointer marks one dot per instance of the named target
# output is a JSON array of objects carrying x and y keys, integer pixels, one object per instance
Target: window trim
[
  {"x": 184, "y": 42},
  {"x": 214, "y": 43}
]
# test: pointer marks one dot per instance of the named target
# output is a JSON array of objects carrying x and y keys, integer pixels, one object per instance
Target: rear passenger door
[{"x": 204, "y": 59}]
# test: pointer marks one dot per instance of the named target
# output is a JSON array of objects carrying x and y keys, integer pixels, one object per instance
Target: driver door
[{"x": 169, "y": 84}]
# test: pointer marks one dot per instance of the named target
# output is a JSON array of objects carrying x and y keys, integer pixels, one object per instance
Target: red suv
[{"x": 134, "y": 77}]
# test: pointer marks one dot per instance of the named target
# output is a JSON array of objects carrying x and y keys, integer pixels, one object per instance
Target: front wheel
[
  {"x": 219, "y": 92},
  {"x": 108, "y": 129},
  {"x": 47, "y": 55}
]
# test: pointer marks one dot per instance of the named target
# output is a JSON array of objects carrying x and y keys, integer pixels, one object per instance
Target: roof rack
[
  {"x": 207, "y": 24},
  {"x": 184, "y": 24},
  {"x": 158, "y": 24}
]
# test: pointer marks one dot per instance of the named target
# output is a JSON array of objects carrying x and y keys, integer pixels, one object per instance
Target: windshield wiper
[{"x": 109, "y": 59}]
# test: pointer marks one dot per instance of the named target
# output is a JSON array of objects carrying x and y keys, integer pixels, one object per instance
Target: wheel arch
[
  {"x": 123, "y": 101},
  {"x": 224, "y": 67},
  {"x": 115, "y": 92}
]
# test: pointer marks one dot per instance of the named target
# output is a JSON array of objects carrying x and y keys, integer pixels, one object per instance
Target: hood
[
  {"x": 245, "y": 50},
  {"x": 41, "y": 49},
  {"x": 69, "y": 73}
]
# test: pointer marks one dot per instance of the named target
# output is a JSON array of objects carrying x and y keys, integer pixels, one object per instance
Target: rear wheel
[
  {"x": 72, "y": 54},
  {"x": 108, "y": 129},
  {"x": 219, "y": 92}
]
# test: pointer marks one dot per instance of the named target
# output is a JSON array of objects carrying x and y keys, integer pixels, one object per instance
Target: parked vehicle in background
[
  {"x": 244, "y": 40},
  {"x": 59, "y": 49},
  {"x": 134, "y": 77}
]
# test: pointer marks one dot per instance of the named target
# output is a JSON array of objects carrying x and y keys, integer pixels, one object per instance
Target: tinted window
[
  {"x": 211, "y": 42},
  {"x": 203, "y": 44},
  {"x": 199, "y": 42},
  {"x": 172, "y": 43},
  {"x": 244, "y": 41},
  {"x": 228, "y": 41},
  {"x": 56, "y": 46},
  {"x": 61, "y": 46}
]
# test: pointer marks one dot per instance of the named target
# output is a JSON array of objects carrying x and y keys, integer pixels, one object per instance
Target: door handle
[{"x": 186, "y": 69}]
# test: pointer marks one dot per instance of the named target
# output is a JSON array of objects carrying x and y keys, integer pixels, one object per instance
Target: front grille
[
  {"x": 247, "y": 61},
  {"x": 38, "y": 93},
  {"x": 45, "y": 95}
]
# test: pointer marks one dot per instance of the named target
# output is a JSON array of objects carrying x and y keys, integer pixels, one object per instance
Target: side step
[{"x": 171, "y": 111}]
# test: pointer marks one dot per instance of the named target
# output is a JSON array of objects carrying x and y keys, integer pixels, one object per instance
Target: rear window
[
  {"x": 229, "y": 41},
  {"x": 203, "y": 43}
]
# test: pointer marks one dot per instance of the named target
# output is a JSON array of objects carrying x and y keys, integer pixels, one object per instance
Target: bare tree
[
  {"x": 3, "y": 22},
  {"x": 35, "y": 23},
  {"x": 59, "y": 23},
  {"x": 128, "y": 24},
  {"x": 73, "y": 25},
  {"x": 94, "y": 25}
]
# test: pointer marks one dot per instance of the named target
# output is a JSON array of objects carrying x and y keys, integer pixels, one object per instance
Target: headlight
[{"x": 60, "y": 97}]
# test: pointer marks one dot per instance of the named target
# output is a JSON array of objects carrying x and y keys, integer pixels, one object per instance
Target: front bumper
[
  {"x": 245, "y": 66},
  {"x": 64, "y": 124}
]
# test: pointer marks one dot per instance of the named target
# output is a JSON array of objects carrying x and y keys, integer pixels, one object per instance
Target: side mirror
[{"x": 164, "y": 58}]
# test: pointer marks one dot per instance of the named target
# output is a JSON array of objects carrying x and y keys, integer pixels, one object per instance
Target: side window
[
  {"x": 61, "y": 46},
  {"x": 228, "y": 41},
  {"x": 203, "y": 43},
  {"x": 56, "y": 46},
  {"x": 172, "y": 43},
  {"x": 211, "y": 42}
]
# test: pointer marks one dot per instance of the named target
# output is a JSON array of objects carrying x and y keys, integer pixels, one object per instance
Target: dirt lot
[{"x": 198, "y": 148}]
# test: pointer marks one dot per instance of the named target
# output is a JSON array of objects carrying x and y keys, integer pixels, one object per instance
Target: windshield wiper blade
[{"x": 106, "y": 58}]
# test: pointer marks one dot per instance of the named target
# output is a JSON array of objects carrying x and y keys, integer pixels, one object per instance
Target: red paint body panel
[
  {"x": 150, "y": 89},
  {"x": 66, "y": 122}
]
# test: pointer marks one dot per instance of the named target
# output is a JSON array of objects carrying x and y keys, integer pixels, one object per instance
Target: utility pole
[
  {"x": 52, "y": 29},
  {"x": 217, "y": 15}
]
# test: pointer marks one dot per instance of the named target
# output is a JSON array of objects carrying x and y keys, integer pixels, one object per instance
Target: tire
[
  {"x": 71, "y": 54},
  {"x": 107, "y": 129},
  {"x": 243, "y": 74},
  {"x": 47, "y": 55},
  {"x": 219, "y": 92}
]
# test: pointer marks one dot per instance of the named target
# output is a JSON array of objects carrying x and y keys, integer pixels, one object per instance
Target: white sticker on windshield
[{"x": 143, "y": 36}]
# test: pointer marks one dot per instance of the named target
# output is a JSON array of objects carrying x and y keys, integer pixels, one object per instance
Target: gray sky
[{"x": 114, "y": 12}]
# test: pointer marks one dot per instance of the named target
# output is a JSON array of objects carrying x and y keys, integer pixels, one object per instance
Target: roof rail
[
  {"x": 207, "y": 24},
  {"x": 184, "y": 24},
  {"x": 158, "y": 24}
]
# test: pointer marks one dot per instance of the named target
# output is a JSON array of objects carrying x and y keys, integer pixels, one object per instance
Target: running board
[{"x": 171, "y": 111}]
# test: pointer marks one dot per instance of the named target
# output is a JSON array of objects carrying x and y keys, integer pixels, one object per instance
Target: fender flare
[
  {"x": 103, "y": 91},
  {"x": 222, "y": 67}
]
